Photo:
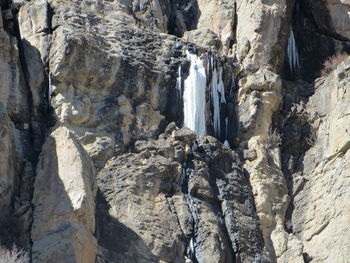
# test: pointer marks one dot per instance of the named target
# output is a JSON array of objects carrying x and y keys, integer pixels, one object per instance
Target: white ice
[
  {"x": 179, "y": 81},
  {"x": 292, "y": 53},
  {"x": 194, "y": 96}
]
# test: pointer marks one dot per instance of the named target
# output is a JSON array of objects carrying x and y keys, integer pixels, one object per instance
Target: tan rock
[
  {"x": 64, "y": 195},
  {"x": 13, "y": 93},
  {"x": 74, "y": 243},
  {"x": 34, "y": 30},
  {"x": 259, "y": 27},
  {"x": 203, "y": 37},
  {"x": 218, "y": 17},
  {"x": 147, "y": 120},
  {"x": 259, "y": 96},
  {"x": 184, "y": 134},
  {"x": 321, "y": 214}
]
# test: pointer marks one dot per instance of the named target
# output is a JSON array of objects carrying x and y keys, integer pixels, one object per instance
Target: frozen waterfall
[
  {"x": 194, "y": 96},
  {"x": 292, "y": 53}
]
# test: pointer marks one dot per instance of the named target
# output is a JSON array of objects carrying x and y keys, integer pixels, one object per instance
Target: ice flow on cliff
[{"x": 194, "y": 95}]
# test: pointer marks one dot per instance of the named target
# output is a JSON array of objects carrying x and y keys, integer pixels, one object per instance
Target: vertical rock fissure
[
  {"x": 190, "y": 250},
  {"x": 227, "y": 217},
  {"x": 37, "y": 133},
  {"x": 43, "y": 112}
]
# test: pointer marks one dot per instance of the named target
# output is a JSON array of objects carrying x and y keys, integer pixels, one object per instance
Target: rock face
[
  {"x": 7, "y": 155},
  {"x": 95, "y": 163},
  {"x": 261, "y": 34},
  {"x": 319, "y": 206},
  {"x": 65, "y": 189},
  {"x": 173, "y": 212},
  {"x": 339, "y": 16}
]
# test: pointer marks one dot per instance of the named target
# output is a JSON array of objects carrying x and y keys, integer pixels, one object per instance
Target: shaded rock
[
  {"x": 222, "y": 207},
  {"x": 64, "y": 219},
  {"x": 34, "y": 29},
  {"x": 134, "y": 190},
  {"x": 145, "y": 198},
  {"x": 319, "y": 205},
  {"x": 339, "y": 12},
  {"x": 7, "y": 168},
  {"x": 258, "y": 97},
  {"x": 13, "y": 93},
  {"x": 184, "y": 134},
  {"x": 170, "y": 128}
]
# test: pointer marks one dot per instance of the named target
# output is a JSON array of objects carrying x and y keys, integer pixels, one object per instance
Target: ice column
[
  {"x": 217, "y": 96},
  {"x": 179, "y": 81},
  {"x": 194, "y": 96},
  {"x": 292, "y": 53}
]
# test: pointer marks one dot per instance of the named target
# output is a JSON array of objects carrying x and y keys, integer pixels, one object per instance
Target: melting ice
[
  {"x": 194, "y": 96},
  {"x": 292, "y": 53}
]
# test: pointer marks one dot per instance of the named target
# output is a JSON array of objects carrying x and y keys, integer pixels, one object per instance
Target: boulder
[{"x": 64, "y": 206}]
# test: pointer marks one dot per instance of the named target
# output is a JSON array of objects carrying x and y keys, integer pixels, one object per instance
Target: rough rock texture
[
  {"x": 319, "y": 172},
  {"x": 259, "y": 97},
  {"x": 261, "y": 34},
  {"x": 7, "y": 168},
  {"x": 65, "y": 189},
  {"x": 162, "y": 207},
  {"x": 339, "y": 12},
  {"x": 219, "y": 17},
  {"x": 312, "y": 24},
  {"x": 91, "y": 99}
]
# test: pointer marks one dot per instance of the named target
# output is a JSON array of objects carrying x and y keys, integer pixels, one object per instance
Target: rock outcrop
[
  {"x": 64, "y": 214},
  {"x": 173, "y": 202},
  {"x": 7, "y": 169},
  {"x": 319, "y": 172},
  {"x": 96, "y": 165}
]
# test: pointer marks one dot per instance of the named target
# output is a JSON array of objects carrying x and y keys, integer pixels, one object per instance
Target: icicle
[
  {"x": 226, "y": 132},
  {"x": 227, "y": 144},
  {"x": 292, "y": 53},
  {"x": 179, "y": 81},
  {"x": 194, "y": 96},
  {"x": 51, "y": 88},
  {"x": 192, "y": 252},
  {"x": 218, "y": 97}
]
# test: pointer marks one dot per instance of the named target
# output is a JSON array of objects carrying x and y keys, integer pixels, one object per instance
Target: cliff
[{"x": 175, "y": 130}]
